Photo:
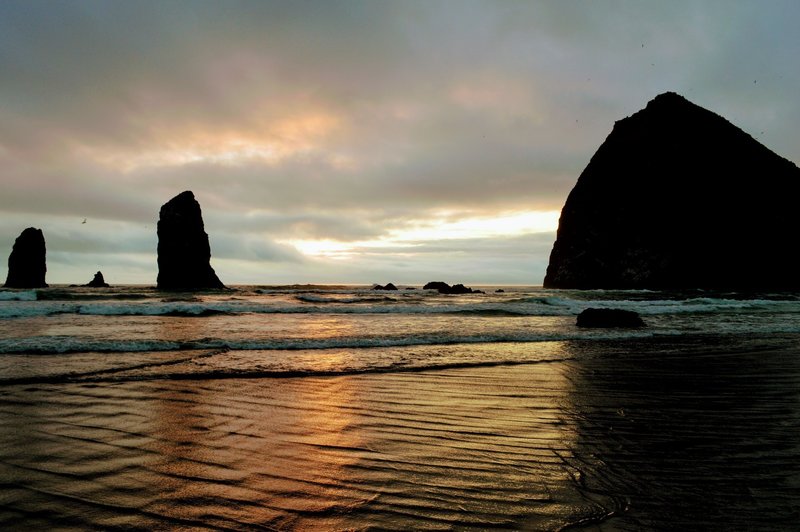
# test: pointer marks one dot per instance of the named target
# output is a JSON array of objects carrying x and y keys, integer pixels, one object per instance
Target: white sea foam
[
  {"x": 359, "y": 318},
  {"x": 25, "y": 305},
  {"x": 65, "y": 344},
  {"x": 313, "y": 298},
  {"x": 60, "y": 344},
  {"x": 17, "y": 295}
]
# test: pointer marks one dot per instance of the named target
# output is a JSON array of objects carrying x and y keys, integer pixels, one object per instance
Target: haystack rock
[
  {"x": 184, "y": 254},
  {"x": 27, "y": 264},
  {"x": 98, "y": 281},
  {"x": 678, "y": 197}
]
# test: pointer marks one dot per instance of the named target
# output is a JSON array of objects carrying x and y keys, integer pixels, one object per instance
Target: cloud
[
  {"x": 346, "y": 121},
  {"x": 512, "y": 260},
  {"x": 247, "y": 247}
]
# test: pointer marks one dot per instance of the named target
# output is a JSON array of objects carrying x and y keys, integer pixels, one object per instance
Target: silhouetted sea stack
[
  {"x": 183, "y": 251},
  {"x": 97, "y": 282},
  {"x": 678, "y": 197},
  {"x": 27, "y": 264}
]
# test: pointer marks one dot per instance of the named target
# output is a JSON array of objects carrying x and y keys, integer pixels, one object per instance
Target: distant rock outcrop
[
  {"x": 444, "y": 288},
  {"x": 27, "y": 264},
  {"x": 609, "y": 317},
  {"x": 98, "y": 281},
  {"x": 436, "y": 285},
  {"x": 678, "y": 197},
  {"x": 183, "y": 251},
  {"x": 389, "y": 286}
]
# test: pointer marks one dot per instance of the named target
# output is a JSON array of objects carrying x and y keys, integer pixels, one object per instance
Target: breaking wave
[
  {"x": 24, "y": 304},
  {"x": 144, "y": 372},
  {"x": 14, "y": 295},
  {"x": 311, "y": 298},
  {"x": 67, "y": 344}
]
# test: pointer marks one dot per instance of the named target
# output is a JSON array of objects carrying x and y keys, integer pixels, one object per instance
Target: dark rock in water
[
  {"x": 499, "y": 291},
  {"x": 27, "y": 264},
  {"x": 389, "y": 286},
  {"x": 437, "y": 285},
  {"x": 678, "y": 197},
  {"x": 461, "y": 289},
  {"x": 444, "y": 288},
  {"x": 98, "y": 281},
  {"x": 607, "y": 317},
  {"x": 183, "y": 251}
]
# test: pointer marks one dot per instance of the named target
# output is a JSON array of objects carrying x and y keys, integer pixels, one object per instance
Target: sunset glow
[
  {"x": 434, "y": 229},
  {"x": 279, "y": 140},
  {"x": 511, "y": 224}
]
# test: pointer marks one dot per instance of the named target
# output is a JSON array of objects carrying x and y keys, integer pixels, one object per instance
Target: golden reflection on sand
[
  {"x": 479, "y": 447},
  {"x": 474, "y": 444},
  {"x": 271, "y": 446}
]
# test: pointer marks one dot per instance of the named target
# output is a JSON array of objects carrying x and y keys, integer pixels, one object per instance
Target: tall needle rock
[
  {"x": 27, "y": 264},
  {"x": 184, "y": 253}
]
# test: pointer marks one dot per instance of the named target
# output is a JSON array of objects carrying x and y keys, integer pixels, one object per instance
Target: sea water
[{"x": 295, "y": 329}]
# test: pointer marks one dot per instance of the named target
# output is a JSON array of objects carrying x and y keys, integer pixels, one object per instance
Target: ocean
[{"x": 340, "y": 407}]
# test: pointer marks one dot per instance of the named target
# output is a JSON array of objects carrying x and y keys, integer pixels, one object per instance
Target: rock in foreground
[
  {"x": 608, "y": 317},
  {"x": 27, "y": 264},
  {"x": 97, "y": 282},
  {"x": 678, "y": 197},
  {"x": 184, "y": 253}
]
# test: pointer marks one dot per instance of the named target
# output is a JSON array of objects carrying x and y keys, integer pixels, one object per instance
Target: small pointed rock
[{"x": 98, "y": 281}]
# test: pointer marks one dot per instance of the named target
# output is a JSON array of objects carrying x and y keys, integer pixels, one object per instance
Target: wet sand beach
[{"x": 634, "y": 436}]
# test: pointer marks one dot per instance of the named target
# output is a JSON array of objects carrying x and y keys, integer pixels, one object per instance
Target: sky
[{"x": 347, "y": 141}]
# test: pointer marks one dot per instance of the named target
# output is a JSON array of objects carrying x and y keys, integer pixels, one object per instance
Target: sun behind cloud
[{"x": 443, "y": 226}]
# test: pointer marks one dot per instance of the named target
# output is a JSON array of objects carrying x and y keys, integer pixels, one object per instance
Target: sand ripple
[{"x": 625, "y": 441}]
